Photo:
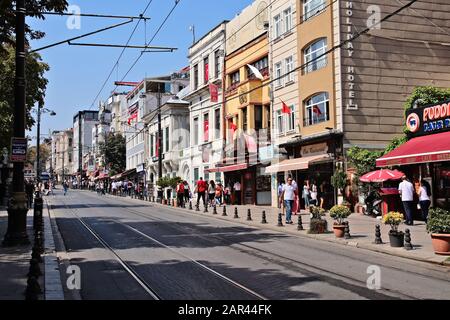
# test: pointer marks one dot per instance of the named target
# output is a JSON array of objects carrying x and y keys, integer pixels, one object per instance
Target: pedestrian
[
  {"x": 288, "y": 196},
  {"x": 29, "y": 189},
  {"x": 65, "y": 187},
  {"x": 424, "y": 199},
  {"x": 306, "y": 194},
  {"x": 406, "y": 190},
  {"x": 237, "y": 193},
  {"x": 226, "y": 195},
  {"x": 313, "y": 194},
  {"x": 187, "y": 192},
  {"x": 201, "y": 190},
  {"x": 219, "y": 191},
  {"x": 114, "y": 188},
  {"x": 280, "y": 191},
  {"x": 211, "y": 192},
  {"x": 180, "y": 193}
]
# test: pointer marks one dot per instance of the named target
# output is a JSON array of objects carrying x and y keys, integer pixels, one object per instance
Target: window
[
  {"x": 278, "y": 74},
  {"x": 317, "y": 109},
  {"x": 196, "y": 176},
  {"x": 195, "y": 76},
  {"x": 152, "y": 153},
  {"x": 277, "y": 24},
  {"x": 206, "y": 127},
  {"x": 244, "y": 119},
  {"x": 280, "y": 122},
  {"x": 291, "y": 119},
  {"x": 258, "y": 118},
  {"x": 311, "y": 53},
  {"x": 217, "y": 64},
  {"x": 206, "y": 174},
  {"x": 289, "y": 67},
  {"x": 206, "y": 70},
  {"x": 167, "y": 147},
  {"x": 262, "y": 65},
  {"x": 195, "y": 138},
  {"x": 288, "y": 20},
  {"x": 217, "y": 124},
  {"x": 218, "y": 177},
  {"x": 235, "y": 78},
  {"x": 312, "y": 8}
]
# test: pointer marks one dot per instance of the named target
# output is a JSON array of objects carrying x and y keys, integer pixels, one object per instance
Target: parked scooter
[{"x": 373, "y": 203}]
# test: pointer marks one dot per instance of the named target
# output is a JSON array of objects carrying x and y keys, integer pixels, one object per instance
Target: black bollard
[
  {"x": 190, "y": 205},
  {"x": 33, "y": 289},
  {"x": 280, "y": 220},
  {"x": 236, "y": 216},
  {"x": 300, "y": 223},
  {"x": 214, "y": 210},
  {"x": 408, "y": 245},
  {"x": 224, "y": 212},
  {"x": 378, "y": 235},
  {"x": 249, "y": 215},
  {"x": 35, "y": 270},
  {"x": 347, "y": 231},
  {"x": 35, "y": 254},
  {"x": 263, "y": 220}
]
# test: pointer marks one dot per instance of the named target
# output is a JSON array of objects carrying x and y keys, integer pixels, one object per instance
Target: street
[{"x": 131, "y": 249}]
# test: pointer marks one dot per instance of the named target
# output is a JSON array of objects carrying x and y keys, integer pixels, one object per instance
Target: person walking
[
  {"x": 187, "y": 192},
  {"x": 313, "y": 194},
  {"x": 424, "y": 199},
  {"x": 180, "y": 193},
  {"x": 406, "y": 190},
  {"x": 201, "y": 190},
  {"x": 65, "y": 187},
  {"x": 211, "y": 192},
  {"x": 29, "y": 190},
  {"x": 219, "y": 191},
  {"x": 279, "y": 192},
  {"x": 288, "y": 196},
  {"x": 237, "y": 193},
  {"x": 306, "y": 194},
  {"x": 226, "y": 195}
]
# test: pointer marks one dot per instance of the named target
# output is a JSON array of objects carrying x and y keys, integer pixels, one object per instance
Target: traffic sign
[{"x": 19, "y": 149}]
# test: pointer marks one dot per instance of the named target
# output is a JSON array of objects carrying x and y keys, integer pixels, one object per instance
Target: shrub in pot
[
  {"x": 317, "y": 224},
  {"x": 438, "y": 225},
  {"x": 396, "y": 238},
  {"x": 339, "y": 213}
]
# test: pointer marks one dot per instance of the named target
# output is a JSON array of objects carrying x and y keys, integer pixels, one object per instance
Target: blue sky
[{"x": 77, "y": 73}]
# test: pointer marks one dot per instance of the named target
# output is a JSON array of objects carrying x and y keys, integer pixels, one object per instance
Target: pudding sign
[{"x": 428, "y": 119}]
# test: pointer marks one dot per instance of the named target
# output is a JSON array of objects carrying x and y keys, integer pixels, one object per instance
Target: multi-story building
[
  {"x": 247, "y": 104},
  {"x": 206, "y": 58},
  {"x": 117, "y": 105},
  {"x": 62, "y": 153},
  {"x": 354, "y": 95},
  {"x": 83, "y": 122}
]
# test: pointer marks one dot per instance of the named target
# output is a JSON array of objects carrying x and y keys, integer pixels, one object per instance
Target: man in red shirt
[{"x": 201, "y": 189}]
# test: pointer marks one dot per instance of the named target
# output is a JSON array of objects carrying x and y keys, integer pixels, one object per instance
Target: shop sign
[
  {"x": 140, "y": 168},
  {"x": 19, "y": 149},
  {"x": 349, "y": 50},
  {"x": 428, "y": 119},
  {"x": 265, "y": 153},
  {"x": 314, "y": 149}
]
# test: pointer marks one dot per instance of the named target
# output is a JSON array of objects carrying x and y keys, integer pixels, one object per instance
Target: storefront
[{"x": 426, "y": 156}]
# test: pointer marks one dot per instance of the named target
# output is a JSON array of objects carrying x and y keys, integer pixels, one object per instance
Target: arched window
[
  {"x": 312, "y": 7},
  {"x": 311, "y": 54},
  {"x": 317, "y": 109}
]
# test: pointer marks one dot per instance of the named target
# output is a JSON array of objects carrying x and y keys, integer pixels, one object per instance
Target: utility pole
[
  {"x": 38, "y": 142},
  {"x": 80, "y": 149},
  {"x": 17, "y": 209},
  {"x": 158, "y": 106}
]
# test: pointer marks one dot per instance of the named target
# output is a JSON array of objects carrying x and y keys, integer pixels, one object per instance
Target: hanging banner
[{"x": 214, "y": 92}]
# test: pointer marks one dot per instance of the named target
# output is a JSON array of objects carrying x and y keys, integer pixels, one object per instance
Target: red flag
[
  {"x": 316, "y": 110},
  {"x": 233, "y": 127},
  {"x": 206, "y": 129},
  {"x": 285, "y": 108},
  {"x": 206, "y": 72},
  {"x": 214, "y": 92},
  {"x": 157, "y": 146}
]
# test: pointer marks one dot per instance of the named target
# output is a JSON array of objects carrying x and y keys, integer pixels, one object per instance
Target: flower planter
[
  {"x": 441, "y": 243},
  {"x": 396, "y": 239},
  {"x": 317, "y": 226},
  {"x": 339, "y": 230}
]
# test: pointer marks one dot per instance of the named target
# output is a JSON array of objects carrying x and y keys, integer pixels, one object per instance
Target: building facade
[{"x": 62, "y": 153}]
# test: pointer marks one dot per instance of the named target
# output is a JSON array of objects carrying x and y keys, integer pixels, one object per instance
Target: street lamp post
[{"x": 38, "y": 139}]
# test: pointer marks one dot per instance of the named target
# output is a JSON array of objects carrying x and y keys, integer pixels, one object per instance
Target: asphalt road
[{"x": 130, "y": 249}]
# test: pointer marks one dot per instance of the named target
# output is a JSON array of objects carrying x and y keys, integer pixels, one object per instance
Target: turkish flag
[
  {"x": 214, "y": 92},
  {"x": 206, "y": 72},
  {"x": 233, "y": 126},
  {"x": 285, "y": 108},
  {"x": 316, "y": 110},
  {"x": 157, "y": 146},
  {"x": 206, "y": 129}
]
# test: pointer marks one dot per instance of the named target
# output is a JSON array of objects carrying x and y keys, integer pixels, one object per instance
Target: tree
[
  {"x": 114, "y": 151},
  {"x": 45, "y": 154},
  {"x": 36, "y": 86},
  {"x": 34, "y": 9}
]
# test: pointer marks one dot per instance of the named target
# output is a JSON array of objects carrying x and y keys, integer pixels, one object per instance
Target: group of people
[
  {"x": 211, "y": 193},
  {"x": 409, "y": 195}
]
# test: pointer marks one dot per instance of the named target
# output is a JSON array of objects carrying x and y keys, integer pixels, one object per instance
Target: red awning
[
  {"x": 234, "y": 167},
  {"x": 432, "y": 148}
]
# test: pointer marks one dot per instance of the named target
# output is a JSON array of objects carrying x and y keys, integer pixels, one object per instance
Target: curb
[{"x": 351, "y": 243}]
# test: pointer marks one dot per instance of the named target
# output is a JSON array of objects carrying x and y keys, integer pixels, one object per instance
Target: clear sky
[{"x": 77, "y": 73}]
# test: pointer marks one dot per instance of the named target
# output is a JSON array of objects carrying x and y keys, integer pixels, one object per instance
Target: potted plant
[
  {"x": 317, "y": 224},
  {"x": 438, "y": 225},
  {"x": 163, "y": 183},
  {"x": 339, "y": 213},
  {"x": 396, "y": 238},
  {"x": 339, "y": 181}
]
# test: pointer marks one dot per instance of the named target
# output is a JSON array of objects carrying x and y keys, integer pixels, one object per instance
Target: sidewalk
[{"x": 362, "y": 230}]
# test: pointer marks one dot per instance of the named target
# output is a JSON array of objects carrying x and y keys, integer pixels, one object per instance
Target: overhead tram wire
[
  {"x": 116, "y": 64},
  {"x": 301, "y": 67}
]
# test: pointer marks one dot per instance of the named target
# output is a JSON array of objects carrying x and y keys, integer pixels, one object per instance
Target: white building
[
  {"x": 83, "y": 122},
  {"x": 206, "y": 59}
]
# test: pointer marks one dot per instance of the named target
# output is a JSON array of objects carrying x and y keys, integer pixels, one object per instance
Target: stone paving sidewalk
[{"x": 362, "y": 230}]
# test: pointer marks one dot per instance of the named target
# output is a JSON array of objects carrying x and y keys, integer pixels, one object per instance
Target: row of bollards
[{"x": 407, "y": 241}]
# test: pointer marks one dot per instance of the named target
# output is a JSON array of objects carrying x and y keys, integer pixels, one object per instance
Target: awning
[
  {"x": 129, "y": 172},
  {"x": 432, "y": 148},
  {"x": 295, "y": 164},
  {"x": 234, "y": 167}
]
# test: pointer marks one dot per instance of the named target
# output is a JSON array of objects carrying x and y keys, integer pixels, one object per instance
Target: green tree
[
  {"x": 114, "y": 151},
  {"x": 36, "y": 86},
  {"x": 45, "y": 154},
  {"x": 34, "y": 9}
]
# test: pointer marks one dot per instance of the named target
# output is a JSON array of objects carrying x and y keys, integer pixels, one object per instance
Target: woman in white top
[
  {"x": 212, "y": 193},
  {"x": 314, "y": 194},
  {"x": 424, "y": 199}
]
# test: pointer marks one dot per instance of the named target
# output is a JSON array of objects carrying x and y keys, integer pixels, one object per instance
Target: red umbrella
[{"x": 382, "y": 175}]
